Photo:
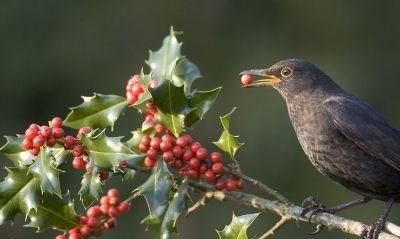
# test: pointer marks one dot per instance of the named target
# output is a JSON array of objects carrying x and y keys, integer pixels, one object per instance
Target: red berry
[
  {"x": 60, "y": 237},
  {"x": 188, "y": 155},
  {"x": 114, "y": 201},
  {"x": 31, "y": 133},
  {"x": 195, "y": 146},
  {"x": 155, "y": 143},
  {"x": 159, "y": 128},
  {"x": 194, "y": 163},
  {"x": 203, "y": 168},
  {"x": 193, "y": 173},
  {"x": 93, "y": 221},
  {"x": 165, "y": 146},
  {"x": 74, "y": 230},
  {"x": 58, "y": 133},
  {"x": 113, "y": 192},
  {"x": 218, "y": 168},
  {"x": 69, "y": 142},
  {"x": 136, "y": 88},
  {"x": 104, "y": 176},
  {"x": 84, "y": 131},
  {"x": 56, "y": 122},
  {"x": 94, "y": 211},
  {"x": 177, "y": 151},
  {"x": 46, "y": 131},
  {"x": 123, "y": 207},
  {"x": 131, "y": 98},
  {"x": 143, "y": 148},
  {"x": 240, "y": 184},
  {"x": 104, "y": 208},
  {"x": 110, "y": 224},
  {"x": 215, "y": 157},
  {"x": 35, "y": 151},
  {"x": 85, "y": 230},
  {"x": 146, "y": 140},
  {"x": 39, "y": 141},
  {"x": 151, "y": 153},
  {"x": 83, "y": 220},
  {"x": 220, "y": 184},
  {"x": 209, "y": 176},
  {"x": 35, "y": 127},
  {"x": 230, "y": 185},
  {"x": 122, "y": 164},
  {"x": 104, "y": 200},
  {"x": 149, "y": 163},
  {"x": 113, "y": 212},
  {"x": 27, "y": 143},
  {"x": 177, "y": 164},
  {"x": 168, "y": 156},
  {"x": 201, "y": 153},
  {"x": 74, "y": 236},
  {"x": 168, "y": 138},
  {"x": 78, "y": 151},
  {"x": 78, "y": 163},
  {"x": 51, "y": 141},
  {"x": 246, "y": 79}
]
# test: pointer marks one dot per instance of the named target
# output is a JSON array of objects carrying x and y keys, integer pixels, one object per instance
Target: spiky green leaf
[
  {"x": 90, "y": 189},
  {"x": 184, "y": 73},
  {"x": 54, "y": 212},
  {"x": 45, "y": 170},
  {"x": 98, "y": 111},
  {"x": 156, "y": 192},
  {"x": 176, "y": 207},
  {"x": 18, "y": 194},
  {"x": 238, "y": 227},
  {"x": 16, "y": 153},
  {"x": 228, "y": 142},
  {"x": 107, "y": 152}
]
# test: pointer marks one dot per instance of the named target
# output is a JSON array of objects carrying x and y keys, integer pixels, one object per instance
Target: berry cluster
[
  {"x": 190, "y": 158},
  {"x": 99, "y": 218},
  {"x": 37, "y": 136},
  {"x": 134, "y": 89},
  {"x": 78, "y": 151}
]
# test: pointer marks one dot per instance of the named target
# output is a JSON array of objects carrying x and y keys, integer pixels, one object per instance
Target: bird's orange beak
[{"x": 268, "y": 79}]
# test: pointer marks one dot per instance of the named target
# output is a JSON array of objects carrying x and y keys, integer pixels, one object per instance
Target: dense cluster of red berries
[
  {"x": 37, "y": 136},
  {"x": 99, "y": 218},
  {"x": 134, "y": 90},
  {"x": 190, "y": 158}
]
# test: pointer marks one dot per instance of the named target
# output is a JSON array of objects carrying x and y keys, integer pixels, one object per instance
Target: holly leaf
[
  {"x": 156, "y": 192},
  {"x": 162, "y": 60},
  {"x": 45, "y": 170},
  {"x": 16, "y": 153},
  {"x": 174, "y": 123},
  {"x": 98, "y": 111},
  {"x": 54, "y": 212},
  {"x": 227, "y": 142},
  {"x": 184, "y": 73},
  {"x": 18, "y": 194},
  {"x": 238, "y": 227},
  {"x": 107, "y": 152},
  {"x": 90, "y": 189},
  {"x": 144, "y": 82},
  {"x": 201, "y": 102},
  {"x": 176, "y": 207}
]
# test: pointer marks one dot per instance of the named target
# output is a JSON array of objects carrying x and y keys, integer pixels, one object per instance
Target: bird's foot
[
  {"x": 312, "y": 206},
  {"x": 373, "y": 231}
]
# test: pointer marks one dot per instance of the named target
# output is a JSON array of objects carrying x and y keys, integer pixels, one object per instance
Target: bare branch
[
  {"x": 201, "y": 202},
  {"x": 276, "y": 227}
]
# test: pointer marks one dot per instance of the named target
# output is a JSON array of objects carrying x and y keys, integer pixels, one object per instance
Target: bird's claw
[
  {"x": 373, "y": 231},
  {"x": 318, "y": 229},
  {"x": 312, "y": 206}
]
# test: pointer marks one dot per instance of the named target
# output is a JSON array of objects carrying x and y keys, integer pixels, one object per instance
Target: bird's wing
[{"x": 366, "y": 128}]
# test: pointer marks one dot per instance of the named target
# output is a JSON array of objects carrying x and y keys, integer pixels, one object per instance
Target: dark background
[{"x": 52, "y": 52}]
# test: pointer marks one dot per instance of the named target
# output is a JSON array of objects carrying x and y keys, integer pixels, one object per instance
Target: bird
[{"x": 344, "y": 138}]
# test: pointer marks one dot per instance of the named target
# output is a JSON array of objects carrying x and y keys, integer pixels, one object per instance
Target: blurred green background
[{"x": 52, "y": 52}]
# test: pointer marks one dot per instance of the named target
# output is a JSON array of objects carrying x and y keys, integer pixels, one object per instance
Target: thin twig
[
  {"x": 284, "y": 219},
  {"x": 201, "y": 202},
  {"x": 259, "y": 185}
]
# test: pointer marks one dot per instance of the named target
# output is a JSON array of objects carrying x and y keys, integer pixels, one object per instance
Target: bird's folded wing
[{"x": 366, "y": 128}]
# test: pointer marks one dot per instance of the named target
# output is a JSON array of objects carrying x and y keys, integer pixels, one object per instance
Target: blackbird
[{"x": 343, "y": 137}]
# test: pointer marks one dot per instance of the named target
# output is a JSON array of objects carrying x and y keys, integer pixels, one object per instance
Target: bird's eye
[{"x": 286, "y": 72}]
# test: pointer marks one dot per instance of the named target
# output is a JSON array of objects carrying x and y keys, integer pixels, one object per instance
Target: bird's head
[{"x": 288, "y": 76}]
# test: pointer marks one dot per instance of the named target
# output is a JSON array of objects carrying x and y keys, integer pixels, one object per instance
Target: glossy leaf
[
  {"x": 174, "y": 123},
  {"x": 227, "y": 142},
  {"x": 98, "y": 111},
  {"x": 201, "y": 102},
  {"x": 90, "y": 189},
  {"x": 16, "y": 153},
  {"x": 238, "y": 227},
  {"x": 162, "y": 60},
  {"x": 18, "y": 194},
  {"x": 45, "y": 170},
  {"x": 54, "y": 212},
  {"x": 184, "y": 73},
  {"x": 176, "y": 207},
  {"x": 156, "y": 192},
  {"x": 107, "y": 152},
  {"x": 144, "y": 82}
]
